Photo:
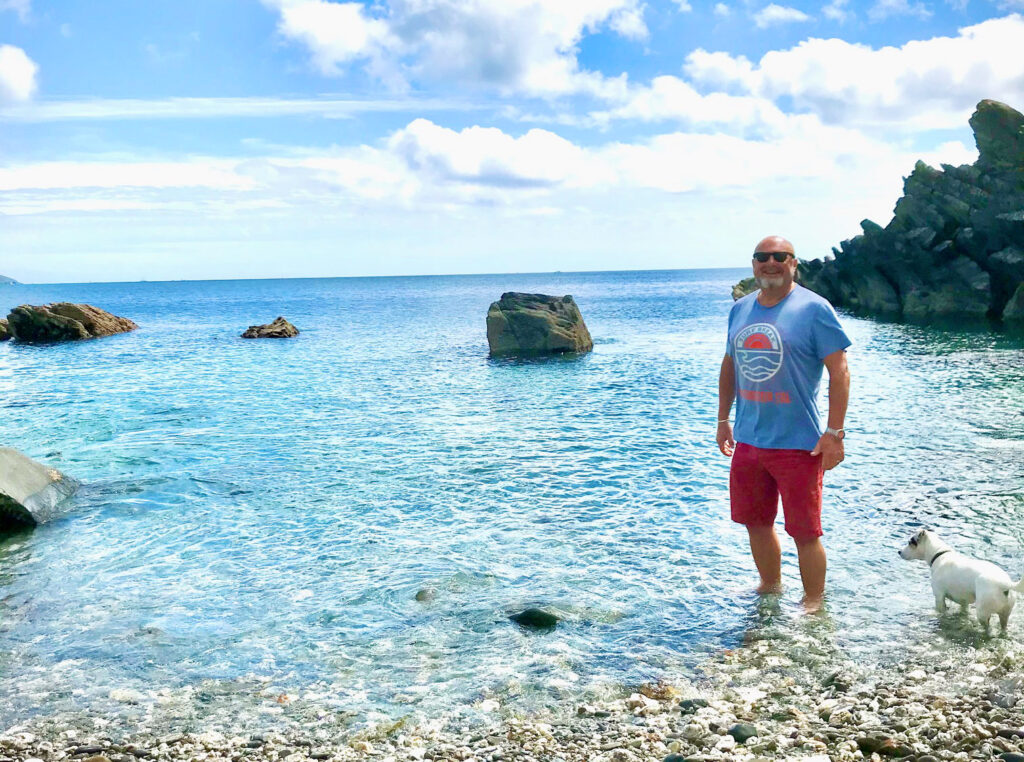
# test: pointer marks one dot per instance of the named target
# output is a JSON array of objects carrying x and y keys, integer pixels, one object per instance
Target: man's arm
[
  {"x": 829, "y": 446},
  {"x": 726, "y": 394}
]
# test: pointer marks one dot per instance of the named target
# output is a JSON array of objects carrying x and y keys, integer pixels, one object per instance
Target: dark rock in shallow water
[
  {"x": 30, "y": 493},
  {"x": 537, "y": 619},
  {"x": 5, "y": 332},
  {"x": 426, "y": 595},
  {"x": 279, "y": 329},
  {"x": 64, "y": 321},
  {"x": 955, "y": 245},
  {"x": 536, "y": 324}
]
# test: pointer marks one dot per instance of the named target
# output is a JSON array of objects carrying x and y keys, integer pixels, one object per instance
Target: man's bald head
[{"x": 774, "y": 243}]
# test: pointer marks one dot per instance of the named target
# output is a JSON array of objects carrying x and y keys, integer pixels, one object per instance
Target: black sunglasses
[{"x": 778, "y": 256}]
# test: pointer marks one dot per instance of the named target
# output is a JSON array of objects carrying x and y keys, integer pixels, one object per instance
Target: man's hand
[
  {"x": 724, "y": 439},
  {"x": 830, "y": 448}
]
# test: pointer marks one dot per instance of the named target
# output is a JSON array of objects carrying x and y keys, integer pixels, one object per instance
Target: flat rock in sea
[
  {"x": 279, "y": 329},
  {"x": 955, "y": 246},
  {"x": 64, "y": 321},
  {"x": 30, "y": 493},
  {"x": 536, "y": 324},
  {"x": 536, "y": 619},
  {"x": 5, "y": 331}
]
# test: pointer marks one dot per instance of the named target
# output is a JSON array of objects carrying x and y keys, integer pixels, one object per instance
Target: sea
[{"x": 256, "y": 518}]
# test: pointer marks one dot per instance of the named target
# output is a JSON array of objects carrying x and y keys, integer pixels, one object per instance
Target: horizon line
[{"x": 356, "y": 277}]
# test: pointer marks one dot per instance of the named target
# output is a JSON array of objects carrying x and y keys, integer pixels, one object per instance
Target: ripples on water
[{"x": 258, "y": 516}]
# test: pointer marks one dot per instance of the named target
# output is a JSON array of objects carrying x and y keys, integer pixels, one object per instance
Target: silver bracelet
[{"x": 724, "y": 420}]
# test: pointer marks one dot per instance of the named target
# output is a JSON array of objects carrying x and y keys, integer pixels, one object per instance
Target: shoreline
[{"x": 959, "y": 709}]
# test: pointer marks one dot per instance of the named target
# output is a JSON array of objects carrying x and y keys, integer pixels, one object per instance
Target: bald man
[{"x": 781, "y": 337}]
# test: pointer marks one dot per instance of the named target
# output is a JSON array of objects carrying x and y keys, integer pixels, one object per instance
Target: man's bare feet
[
  {"x": 813, "y": 603},
  {"x": 769, "y": 588}
]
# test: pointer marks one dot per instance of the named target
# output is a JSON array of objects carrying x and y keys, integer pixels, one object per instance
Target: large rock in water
[
  {"x": 30, "y": 493},
  {"x": 955, "y": 245},
  {"x": 64, "y": 321},
  {"x": 5, "y": 331},
  {"x": 279, "y": 329},
  {"x": 536, "y": 324}
]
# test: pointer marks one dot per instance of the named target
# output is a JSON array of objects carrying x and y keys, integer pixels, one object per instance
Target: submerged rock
[
  {"x": 955, "y": 245},
  {"x": 426, "y": 594},
  {"x": 536, "y": 324},
  {"x": 537, "y": 619},
  {"x": 30, "y": 493},
  {"x": 279, "y": 329},
  {"x": 64, "y": 321}
]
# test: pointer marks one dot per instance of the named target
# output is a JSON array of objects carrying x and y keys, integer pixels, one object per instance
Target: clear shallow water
[{"x": 257, "y": 517}]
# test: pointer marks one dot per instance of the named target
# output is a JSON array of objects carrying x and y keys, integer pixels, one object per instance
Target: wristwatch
[{"x": 837, "y": 433}]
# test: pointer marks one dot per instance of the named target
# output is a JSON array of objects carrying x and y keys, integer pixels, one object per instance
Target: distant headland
[{"x": 5, "y": 281}]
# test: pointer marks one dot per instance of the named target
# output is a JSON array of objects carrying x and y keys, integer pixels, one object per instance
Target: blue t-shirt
[{"x": 777, "y": 353}]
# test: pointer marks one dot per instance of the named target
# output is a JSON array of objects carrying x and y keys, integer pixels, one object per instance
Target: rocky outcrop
[
  {"x": 5, "y": 331},
  {"x": 744, "y": 287},
  {"x": 279, "y": 329},
  {"x": 955, "y": 245},
  {"x": 536, "y": 324},
  {"x": 64, "y": 321},
  {"x": 30, "y": 493}
]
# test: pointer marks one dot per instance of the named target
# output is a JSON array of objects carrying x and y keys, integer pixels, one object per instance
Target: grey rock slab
[
  {"x": 536, "y": 324},
  {"x": 30, "y": 492}
]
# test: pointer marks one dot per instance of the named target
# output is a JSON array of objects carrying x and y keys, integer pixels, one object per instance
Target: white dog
[{"x": 964, "y": 580}]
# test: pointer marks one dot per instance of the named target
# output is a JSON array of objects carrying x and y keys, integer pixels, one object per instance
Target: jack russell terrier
[{"x": 964, "y": 580}]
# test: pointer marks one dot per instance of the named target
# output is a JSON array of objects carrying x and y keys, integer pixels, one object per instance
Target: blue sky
[{"x": 277, "y": 138}]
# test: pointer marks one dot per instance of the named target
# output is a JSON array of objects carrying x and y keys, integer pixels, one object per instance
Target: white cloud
[
  {"x": 17, "y": 75},
  {"x": 836, "y": 10},
  {"x": 774, "y": 15},
  {"x": 925, "y": 84},
  {"x": 214, "y": 108},
  {"x": 21, "y": 7},
  {"x": 526, "y": 46},
  {"x": 722, "y": 10},
  {"x": 684, "y": 6},
  {"x": 883, "y": 9},
  {"x": 424, "y": 165}
]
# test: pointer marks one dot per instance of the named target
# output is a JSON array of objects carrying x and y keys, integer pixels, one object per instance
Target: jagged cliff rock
[{"x": 955, "y": 245}]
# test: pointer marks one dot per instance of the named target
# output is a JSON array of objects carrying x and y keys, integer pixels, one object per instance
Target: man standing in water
[{"x": 780, "y": 338}]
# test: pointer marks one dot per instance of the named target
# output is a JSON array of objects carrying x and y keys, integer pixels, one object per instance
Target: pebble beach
[{"x": 764, "y": 700}]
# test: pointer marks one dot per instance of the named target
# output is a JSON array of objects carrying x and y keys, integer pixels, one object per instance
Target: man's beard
[{"x": 765, "y": 283}]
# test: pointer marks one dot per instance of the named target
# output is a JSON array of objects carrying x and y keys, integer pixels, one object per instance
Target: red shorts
[{"x": 757, "y": 478}]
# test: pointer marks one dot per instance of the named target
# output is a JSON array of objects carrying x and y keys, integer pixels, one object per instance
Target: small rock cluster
[
  {"x": 955, "y": 245},
  {"x": 279, "y": 329}
]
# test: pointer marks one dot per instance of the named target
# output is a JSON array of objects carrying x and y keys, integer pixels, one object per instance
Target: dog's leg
[
  {"x": 1004, "y": 618},
  {"x": 940, "y": 602}
]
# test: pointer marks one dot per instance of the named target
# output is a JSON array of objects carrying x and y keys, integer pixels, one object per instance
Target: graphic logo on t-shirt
[{"x": 758, "y": 352}]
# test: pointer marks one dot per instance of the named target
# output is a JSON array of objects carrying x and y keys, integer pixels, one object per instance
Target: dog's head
[{"x": 919, "y": 548}]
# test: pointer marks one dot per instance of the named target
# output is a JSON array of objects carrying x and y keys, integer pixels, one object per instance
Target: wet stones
[
  {"x": 5, "y": 331},
  {"x": 743, "y": 732}
]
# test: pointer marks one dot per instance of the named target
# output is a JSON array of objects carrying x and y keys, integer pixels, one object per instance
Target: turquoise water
[{"x": 257, "y": 516}]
